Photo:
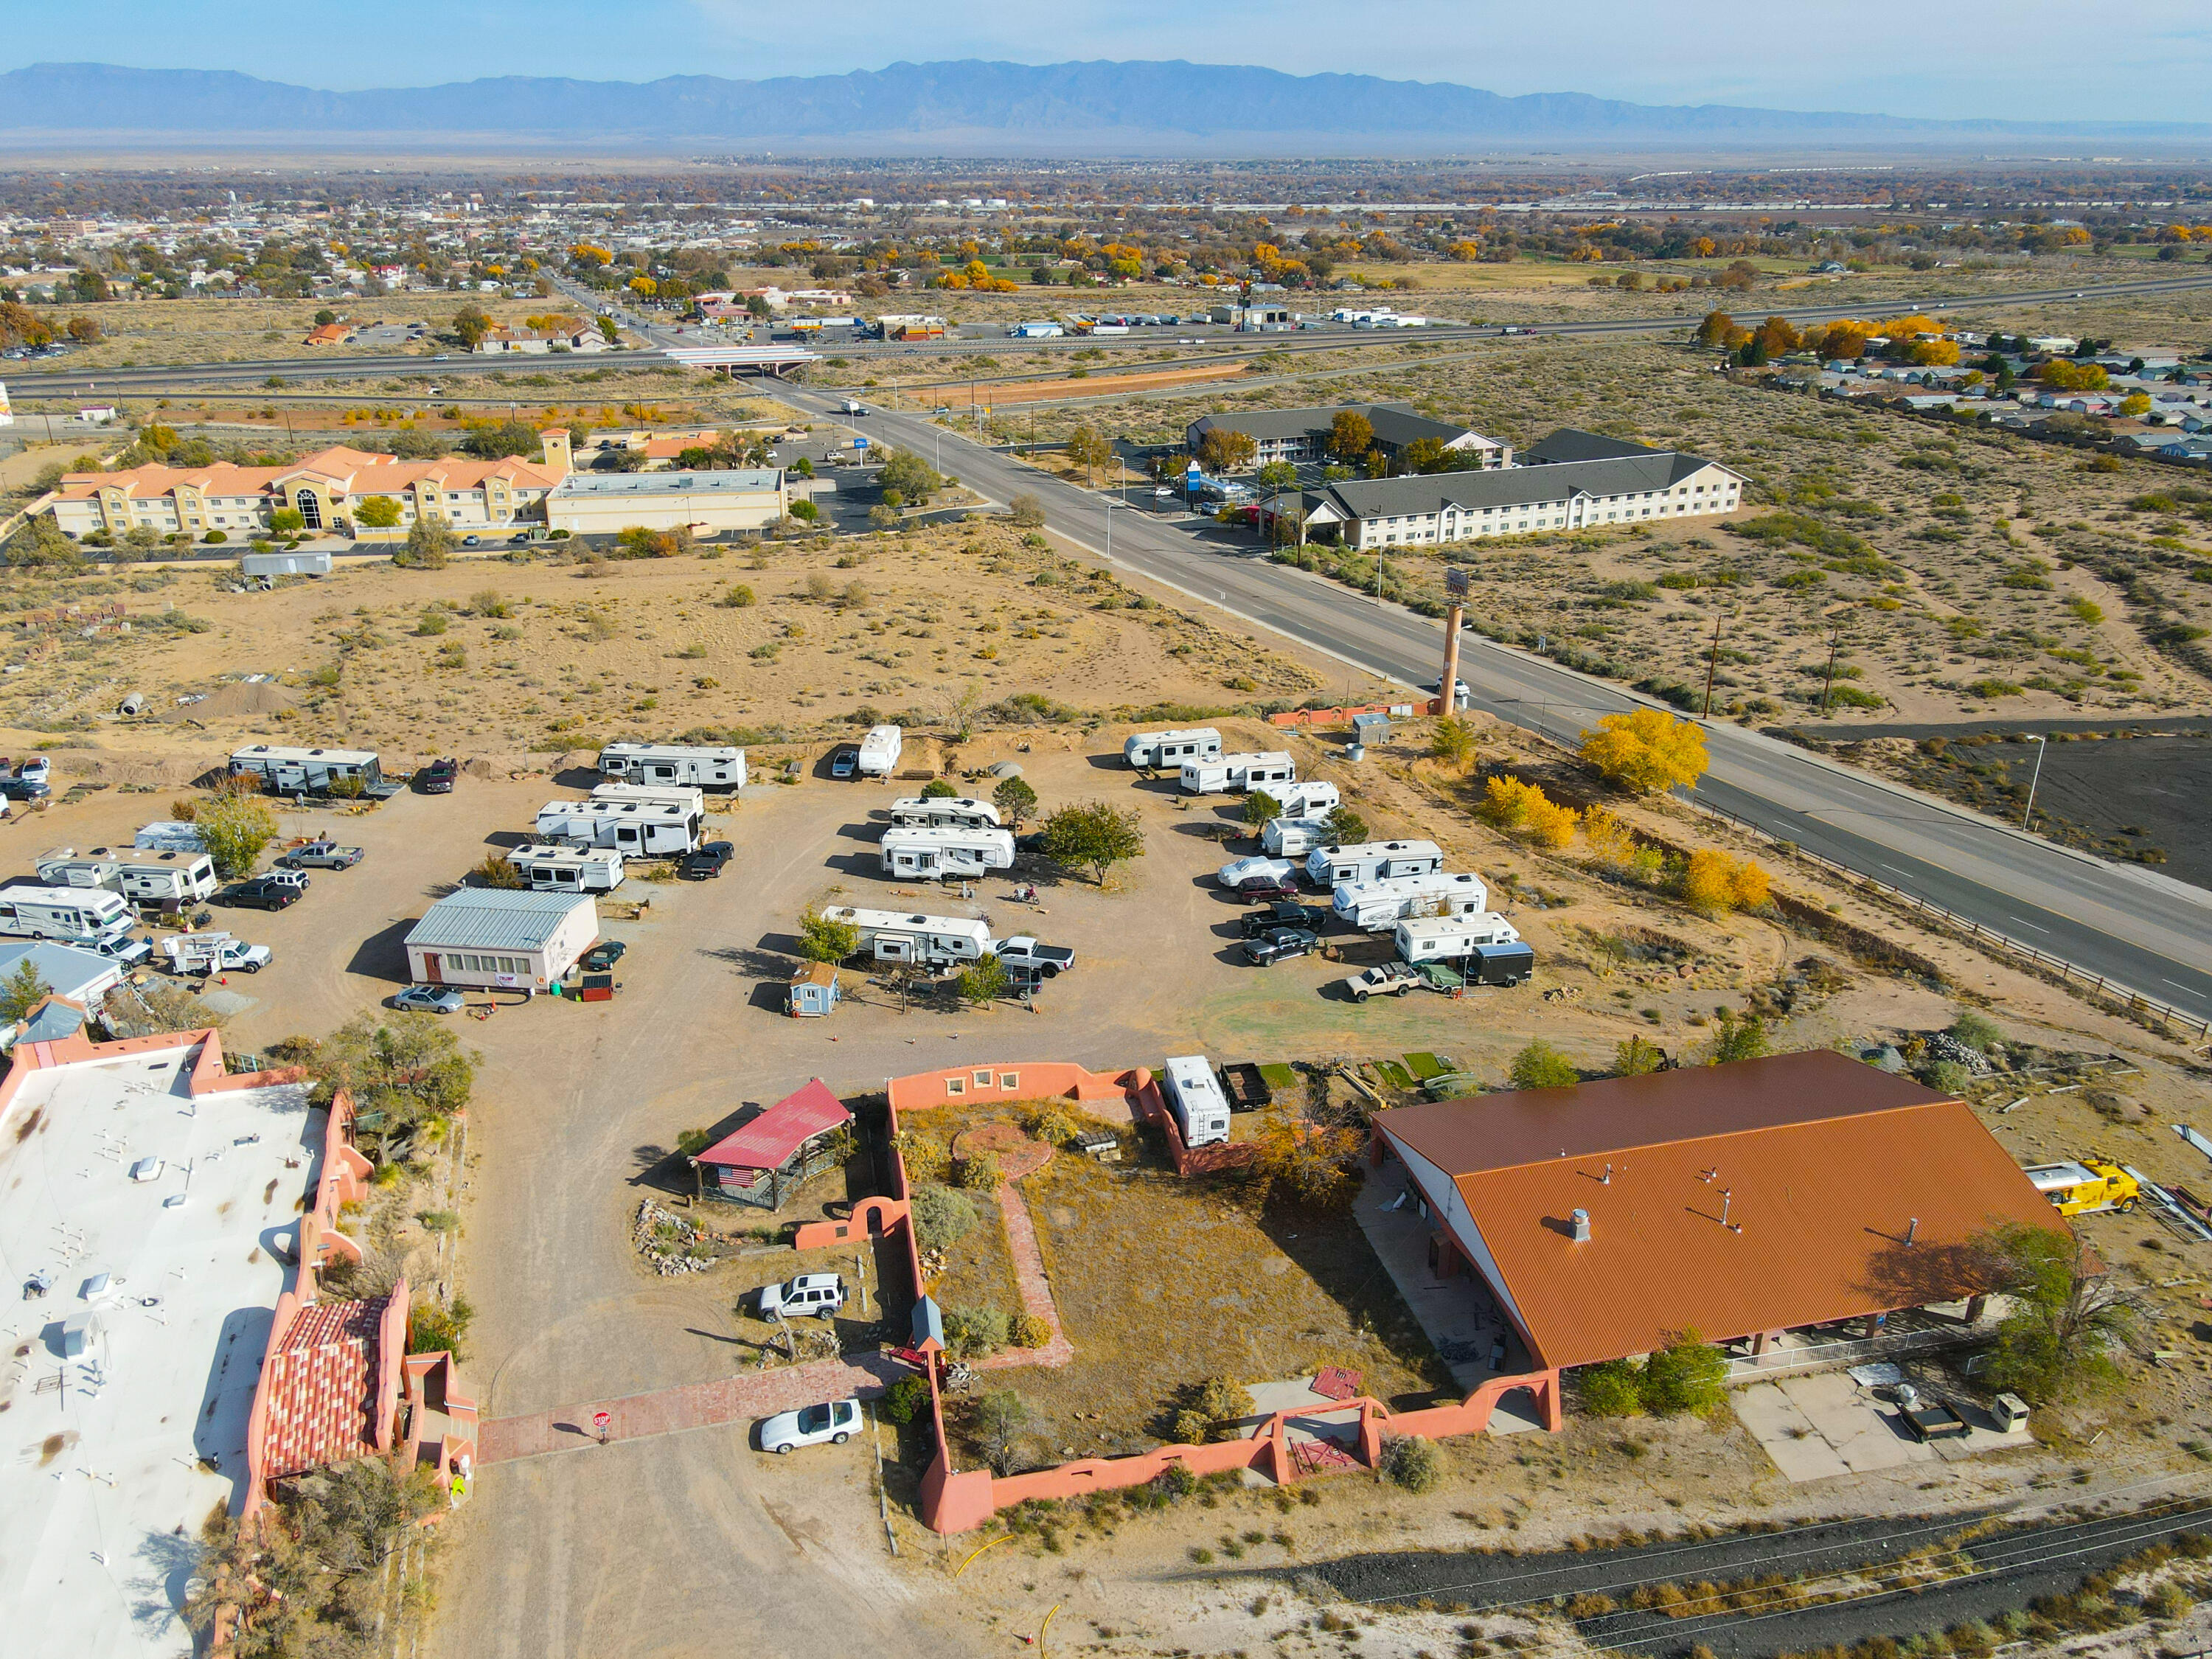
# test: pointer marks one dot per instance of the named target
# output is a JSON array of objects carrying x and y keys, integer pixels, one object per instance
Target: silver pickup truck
[{"x": 321, "y": 855}]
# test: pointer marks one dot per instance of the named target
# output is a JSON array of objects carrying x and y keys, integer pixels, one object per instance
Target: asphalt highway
[{"x": 2147, "y": 932}]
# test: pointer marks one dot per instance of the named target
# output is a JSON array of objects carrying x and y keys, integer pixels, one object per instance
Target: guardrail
[{"x": 2137, "y": 1002}]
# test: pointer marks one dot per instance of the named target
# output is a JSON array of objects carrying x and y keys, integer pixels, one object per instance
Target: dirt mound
[
  {"x": 477, "y": 768},
  {"x": 238, "y": 699}
]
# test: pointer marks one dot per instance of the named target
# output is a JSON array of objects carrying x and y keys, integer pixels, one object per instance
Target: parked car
[
  {"x": 298, "y": 880},
  {"x": 833, "y": 1422},
  {"x": 845, "y": 761},
  {"x": 322, "y": 855},
  {"x": 602, "y": 957},
  {"x": 1260, "y": 877},
  {"x": 471, "y": 541},
  {"x": 429, "y": 999},
  {"x": 1389, "y": 979},
  {"x": 438, "y": 777},
  {"x": 708, "y": 862},
  {"x": 819, "y": 1294},
  {"x": 1283, "y": 912},
  {"x": 262, "y": 893},
  {"x": 1023, "y": 952},
  {"x": 24, "y": 789},
  {"x": 1285, "y": 941}
]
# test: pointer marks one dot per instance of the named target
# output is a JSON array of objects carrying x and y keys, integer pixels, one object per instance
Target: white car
[{"x": 833, "y": 1422}]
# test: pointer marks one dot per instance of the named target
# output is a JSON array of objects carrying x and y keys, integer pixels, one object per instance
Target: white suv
[{"x": 820, "y": 1294}]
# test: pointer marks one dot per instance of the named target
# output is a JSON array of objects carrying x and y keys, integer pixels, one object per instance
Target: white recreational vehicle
[
  {"x": 72, "y": 915},
  {"x": 690, "y": 797},
  {"x": 1195, "y": 1095},
  {"x": 926, "y": 851},
  {"x": 1238, "y": 773},
  {"x": 1372, "y": 860},
  {"x": 1164, "y": 749},
  {"x": 1294, "y": 838},
  {"x": 640, "y": 829},
  {"x": 568, "y": 869},
  {"x": 950, "y": 811},
  {"x": 1375, "y": 907},
  {"x": 674, "y": 763},
  {"x": 294, "y": 771},
  {"x": 931, "y": 941},
  {"x": 1308, "y": 799},
  {"x": 879, "y": 751},
  {"x": 167, "y": 836},
  {"x": 169, "y": 879},
  {"x": 1447, "y": 939}
]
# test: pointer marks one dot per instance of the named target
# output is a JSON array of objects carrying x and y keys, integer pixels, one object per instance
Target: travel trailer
[
  {"x": 945, "y": 812},
  {"x": 1447, "y": 939},
  {"x": 1372, "y": 860},
  {"x": 930, "y": 941},
  {"x": 674, "y": 763},
  {"x": 1166, "y": 749},
  {"x": 170, "y": 880},
  {"x": 1195, "y": 1095},
  {"x": 72, "y": 915},
  {"x": 1294, "y": 838},
  {"x": 638, "y": 828},
  {"x": 928, "y": 852},
  {"x": 1377, "y": 907},
  {"x": 689, "y": 797},
  {"x": 306, "y": 771},
  {"x": 568, "y": 869},
  {"x": 879, "y": 751},
  {"x": 1238, "y": 773},
  {"x": 1308, "y": 799}
]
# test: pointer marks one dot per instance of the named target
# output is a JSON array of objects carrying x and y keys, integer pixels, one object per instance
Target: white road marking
[{"x": 2030, "y": 924}]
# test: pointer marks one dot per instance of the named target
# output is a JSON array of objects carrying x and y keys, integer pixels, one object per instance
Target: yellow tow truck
[{"x": 2086, "y": 1187}]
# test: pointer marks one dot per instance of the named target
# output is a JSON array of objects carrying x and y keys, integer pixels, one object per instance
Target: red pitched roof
[
  {"x": 321, "y": 1386},
  {"x": 777, "y": 1132}
]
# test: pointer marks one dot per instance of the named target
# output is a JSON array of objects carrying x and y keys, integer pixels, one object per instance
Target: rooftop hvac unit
[{"x": 147, "y": 1169}]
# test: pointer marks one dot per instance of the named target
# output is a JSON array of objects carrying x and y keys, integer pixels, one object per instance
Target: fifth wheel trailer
[
  {"x": 674, "y": 763},
  {"x": 1377, "y": 907},
  {"x": 287, "y": 771},
  {"x": 169, "y": 880},
  {"x": 639, "y": 828},
  {"x": 929, "y": 851},
  {"x": 1372, "y": 860},
  {"x": 1164, "y": 749},
  {"x": 948, "y": 811},
  {"x": 931, "y": 941}
]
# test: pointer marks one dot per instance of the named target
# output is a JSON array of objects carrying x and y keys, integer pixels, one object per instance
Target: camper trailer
[
  {"x": 639, "y": 828},
  {"x": 943, "y": 811},
  {"x": 167, "y": 836},
  {"x": 1166, "y": 749},
  {"x": 307, "y": 771},
  {"x": 674, "y": 763},
  {"x": 879, "y": 751},
  {"x": 691, "y": 799},
  {"x": 1377, "y": 907},
  {"x": 1238, "y": 773},
  {"x": 568, "y": 869},
  {"x": 1447, "y": 939},
  {"x": 72, "y": 915},
  {"x": 928, "y": 852},
  {"x": 1308, "y": 799},
  {"x": 1372, "y": 860},
  {"x": 1294, "y": 838},
  {"x": 1195, "y": 1095},
  {"x": 930, "y": 941},
  {"x": 170, "y": 880},
  {"x": 62, "y": 868}
]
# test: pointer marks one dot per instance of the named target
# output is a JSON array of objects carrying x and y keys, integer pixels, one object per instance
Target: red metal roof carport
[{"x": 769, "y": 1142}]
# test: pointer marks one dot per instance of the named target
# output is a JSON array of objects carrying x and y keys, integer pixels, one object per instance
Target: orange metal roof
[{"x": 1821, "y": 1166}]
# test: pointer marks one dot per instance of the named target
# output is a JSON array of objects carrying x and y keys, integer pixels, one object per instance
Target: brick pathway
[
  {"x": 1035, "y": 1287},
  {"x": 690, "y": 1405}
]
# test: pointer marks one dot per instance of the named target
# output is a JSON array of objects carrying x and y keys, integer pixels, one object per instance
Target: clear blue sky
[{"x": 2041, "y": 58}]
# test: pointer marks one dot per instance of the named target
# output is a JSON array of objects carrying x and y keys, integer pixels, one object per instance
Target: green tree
[
  {"x": 1540, "y": 1065},
  {"x": 940, "y": 789},
  {"x": 41, "y": 545},
  {"x": 1095, "y": 834},
  {"x": 1277, "y": 475},
  {"x": 376, "y": 513},
  {"x": 21, "y": 991},
  {"x": 608, "y": 330},
  {"x": 497, "y": 870},
  {"x": 1687, "y": 1375},
  {"x": 915, "y": 479},
  {"x": 826, "y": 939},
  {"x": 233, "y": 828},
  {"x": 471, "y": 325},
  {"x": 1636, "y": 1058},
  {"x": 1259, "y": 807},
  {"x": 1351, "y": 435},
  {"x": 410, "y": 1067},
  {"x": 509, "y": 438},
  {"x": 429, "y": 545},
  {"x": 1345, "y": 827},
  {"x": 983, "y": 982},
  {"x": 1453, "y": 742},
  {"x": 2068, "y": 1318},
  {"x": 1612, "y": 1389},
  {"x": 1221, "y": 452},
  {"x": 1015, "y": 800},
  {"x": 287, "y": 521},
  {"x": 1740, "y": 1037},
  {"x": 1089, "y": 449}
]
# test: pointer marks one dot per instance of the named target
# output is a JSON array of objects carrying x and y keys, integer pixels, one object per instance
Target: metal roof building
[
  {"x": 605, "y": 503},
  {"x": 1738, "y": 1200},
  {"x": 500, "y": 939}
]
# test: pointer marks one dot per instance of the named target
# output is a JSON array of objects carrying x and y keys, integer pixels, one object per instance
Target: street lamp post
[
  {"x": 1110, "y": 505},
  {"x": 2042, "y": 745}
]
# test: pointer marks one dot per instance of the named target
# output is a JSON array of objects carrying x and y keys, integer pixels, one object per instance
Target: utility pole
[
  {"x": 2042, "y": 747},
  {"x": 1835, "y": 642},
  {"x": 1713, "y": 666}
]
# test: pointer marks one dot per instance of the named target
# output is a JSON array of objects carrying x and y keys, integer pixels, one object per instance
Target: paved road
[
  {"x": 2146, "y": 932},
  {"x": 75, "y": 383}
]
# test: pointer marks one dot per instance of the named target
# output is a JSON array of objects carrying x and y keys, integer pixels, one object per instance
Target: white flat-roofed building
[
  {"x": 604, "y": 504},
  {"x": 152, "y": 1198}
]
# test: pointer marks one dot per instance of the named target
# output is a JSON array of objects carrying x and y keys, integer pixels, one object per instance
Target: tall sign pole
[{"x": 1455, "y": 591}]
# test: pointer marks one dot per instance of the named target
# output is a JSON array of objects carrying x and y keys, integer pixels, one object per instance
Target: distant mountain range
[{"x": 971, "y": 107}]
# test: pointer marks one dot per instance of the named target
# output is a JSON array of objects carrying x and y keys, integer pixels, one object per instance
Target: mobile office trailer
[
  {"x": 71, "y": 915},
  {"x": 300, "y": 771},
  {"x": 1447, "y": 939},
  {"x": 1195, "y": 1095},
  {"x": 926, "y": 851},
  {"x": 1377, "y": 907},
  {"x": 674, "y": 763},
  {"x": 1372, "y": 860},
  {"x": 638, "y": 828},
  {"x": 1294, "y": 838},
  {"x": 879, "y": 751},
  {"x": 1238, "y": 773},
  {"x": 568, "y": 869},
  {"x": 1163, "y": 749},
  {"x": 946, "y": 811},
  {"x": 929, "y": 941},
  {"x": 1308, "y": 799}
]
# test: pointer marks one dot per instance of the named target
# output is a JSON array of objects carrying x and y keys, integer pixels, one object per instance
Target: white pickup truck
[
  {"x": 214, "y": 953},
  {"x": 1046, "y": 960}
]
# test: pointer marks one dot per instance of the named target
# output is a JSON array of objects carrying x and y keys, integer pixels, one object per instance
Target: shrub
[
  {"x": 1614, "y": 1388},
  {"x": 1743, "y": 1038},
  {"x": 1027, "y": 1330},
  {"x": 433, "y": 1329},
  {"x": 979, "y": 1172},
  {"x": 497, "y": 870},
  {"x": 982, "y": 982},
  {"x": 942, "y": 1216},
  {"x": 1051, "y": 1125},
  {"x": 1977, "y": 1032},
  {"x": 1222, "y": 1399},
  {"x": 1715, "y": 882},
  {"x": 906, "y": 1399},
  {"x": 735, "y": 597},
  {"x": 1687, "y": 1375},
  {"x": 972, "y": 1332},
  {"x": 1540, "y": 1065},
  {"x": 1413, "y": 1463},
  {"x": 939, "y": 789},
  {"x": 1191, "y": 1428}
]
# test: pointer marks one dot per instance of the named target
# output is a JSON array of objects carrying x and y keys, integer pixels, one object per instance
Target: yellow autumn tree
[
  {"x": 1716, "y": 882},
  {"x": 1647, "y": 751},
  {"x": 1524, "y": 809}
]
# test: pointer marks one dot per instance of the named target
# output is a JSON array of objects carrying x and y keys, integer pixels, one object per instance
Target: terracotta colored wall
[
  {"x": 1035, "y": 1080},
  {"x": 1297, "y": 717}
]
